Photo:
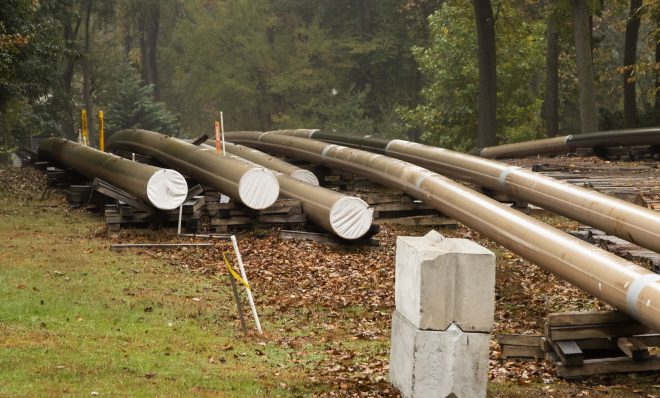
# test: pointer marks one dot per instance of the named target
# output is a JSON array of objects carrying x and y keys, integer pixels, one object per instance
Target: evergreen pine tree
[{"x": 130, "y": 104}]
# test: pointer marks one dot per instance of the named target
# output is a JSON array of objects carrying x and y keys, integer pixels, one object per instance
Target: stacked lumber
[
  {"x": 122, "y": 215},
  {"x": 59, "y": 178},
  {"x": 395, "y": 207},
  {"x": 79, "y": 195},
  {"x": 618, "y": 246},
  {"x": 223, "y": 216},
  {"x": 588, "y": 343}
]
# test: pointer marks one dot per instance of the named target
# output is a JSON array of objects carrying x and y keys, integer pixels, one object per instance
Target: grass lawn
[{"x": 77, "y": 319}]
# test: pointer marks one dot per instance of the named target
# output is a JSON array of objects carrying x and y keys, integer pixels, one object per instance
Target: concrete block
[
  {"x": 441, "y": 364},
  {"x": 442, "y": 281}
]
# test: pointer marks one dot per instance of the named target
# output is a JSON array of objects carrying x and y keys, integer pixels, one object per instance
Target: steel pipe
[
  {"x": 619, "y": 282},
  {"x": 345, "y": 216},
  {"x": 253, "y": 186},
  {"x": 569, "y": 143},
  {"x": 164, "y": 189},
  {"x": 268, "y": 161},
  {"x": 617, "y": 217}
]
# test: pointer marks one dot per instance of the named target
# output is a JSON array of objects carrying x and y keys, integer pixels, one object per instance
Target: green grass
[{"x": 77, "y": 318}]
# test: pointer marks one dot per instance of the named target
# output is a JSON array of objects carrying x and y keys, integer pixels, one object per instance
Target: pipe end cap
[
  {"x": 305, "y": 176},
  {"x": 258, "y": 188},
  {"x": 351, "y": 217},
  {"x": 167, "y": 189}
]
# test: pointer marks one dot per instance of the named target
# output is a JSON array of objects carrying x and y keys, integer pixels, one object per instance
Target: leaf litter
[{"x": 346, "y": 294}]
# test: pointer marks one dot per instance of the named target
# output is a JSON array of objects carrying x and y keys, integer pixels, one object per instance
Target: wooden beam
[
  {"x": 587, "y": 318},
  {"x": 608, "y": 365},
  {"x": 633, "y": 348}
]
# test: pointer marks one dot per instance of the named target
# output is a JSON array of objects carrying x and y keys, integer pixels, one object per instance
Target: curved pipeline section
[
  {"x": 164, "y": 189},
  {"x": 271, "y": 162},
  {"x": 617, "y": 217},
  {"x": 621, "y": 283},
  {"x": 346, "y": 216},
  {"x": 565, "y": 144},
  {"x": 255, "y": 187}
]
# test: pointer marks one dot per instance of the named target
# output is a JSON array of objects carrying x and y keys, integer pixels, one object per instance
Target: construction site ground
[{"x": 79, "y": 319}]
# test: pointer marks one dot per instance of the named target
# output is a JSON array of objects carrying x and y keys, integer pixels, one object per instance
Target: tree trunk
[
  {"x": 365, "y": 17},
  {"x": 487, "y": 100},
  {"x": 70, "y": 33},
  {"x": 587, "y": 100},
  {"x": 629, "y": 59},
  {"x": 152, "y": 44},
  {"x": 657, "y": 81},
  {"x": 87, "y": 72},
  {"x": 149, "y": 29},
  {"x": 126, "y": 36},
  {"x": 551, "y": 102}
]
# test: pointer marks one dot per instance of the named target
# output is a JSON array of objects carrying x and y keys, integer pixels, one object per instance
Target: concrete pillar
[{"x": 445, "y": 301}]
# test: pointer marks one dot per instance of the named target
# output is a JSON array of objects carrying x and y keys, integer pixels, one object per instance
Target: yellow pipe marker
[
  {"x": 101, "y": 133},
  {"x": 85, "y": 132}
]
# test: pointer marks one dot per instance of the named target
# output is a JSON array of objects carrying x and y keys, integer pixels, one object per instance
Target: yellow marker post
[
  {"x": 101, "y": 133},
  {"x": 85, "y": 132}
]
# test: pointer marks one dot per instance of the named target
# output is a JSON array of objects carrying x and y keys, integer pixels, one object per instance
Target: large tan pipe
[
  {"x": 628, "y": 221},
  {"x": 164, "y": 189},
  {"x": 269, "y": 161},
  {"x": 546, "y": 146},
  {"x": 346, "y": 216},
  {"x": 621, "y": 283},
  {"x": 253, "y": 186},
  {"x": 569, "y": 143}
]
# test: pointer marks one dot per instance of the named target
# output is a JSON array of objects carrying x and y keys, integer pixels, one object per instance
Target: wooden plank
[
  {"x": 522, "y": 352},
  {"x": 608, "y": 365},
  {"x": 215, "y": 221},
  {"x": 193, "y": 205},
  {"x": 520, "y": 340},
  {"x": 417, "y": 220},
  {"x": 195, "y": 191},
  {"x": 120, "y": 246},
  {"x": 633, "y": 348},
  {"x": 651, "y": 340},
  {"x": 596, "y": 331},
  {"x": 569, "y": 353},
  {"x": 214, "y": 205},
  {"x": 125, "y": 211},
  {"x": 579, "y": 318},
  {"x": 117, "y": 194},
  {"x": 285, "y": 219}
]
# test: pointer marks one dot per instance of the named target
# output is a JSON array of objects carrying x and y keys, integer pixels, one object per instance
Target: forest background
[{"x": 452, "y": 73}]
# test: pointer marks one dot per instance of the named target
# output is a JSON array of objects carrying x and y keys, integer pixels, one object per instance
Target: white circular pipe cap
[
  {"x": 258, "y": 188},
  {"x": 167, "y": 189},
  {"x": 305, "y": 176},
  {"x": 351, "y": 217}
]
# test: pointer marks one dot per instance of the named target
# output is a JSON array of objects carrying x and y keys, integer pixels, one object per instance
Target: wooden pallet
[
  {"x": 224, "y": 216},
  {"x": 618, "y": 246},
  {"x": 588, "y": 343},
  {"x": 60, "y": 178},
  {"x": 123, "y": 215}
]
